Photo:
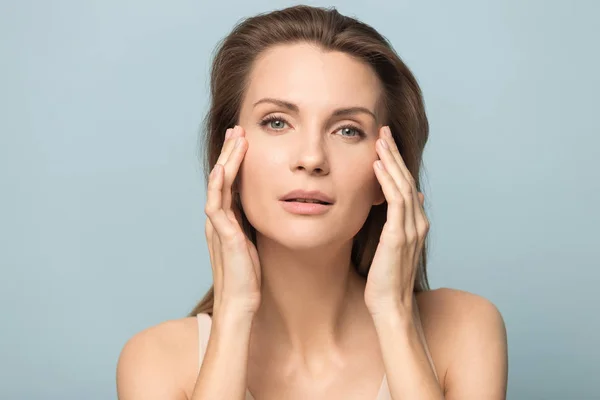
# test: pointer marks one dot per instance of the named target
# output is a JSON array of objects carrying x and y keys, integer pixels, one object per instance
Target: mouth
[
  {"x": 309, "y": 201},
  {"x": 306, "y": 207},
  {"x": 308, "y": 196}
]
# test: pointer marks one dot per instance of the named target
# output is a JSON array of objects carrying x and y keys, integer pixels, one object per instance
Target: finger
[
  {"x": 208, "y": 232},
  {"x": 218, "y": 268},
  {"x": 226, "y": 147},
  {"x": 403, "y": 186},
  {"x": 216, "y": 258},
  {"x": 214, "y": 210},
  {"x": 232, "y": 166},
  {"x": 419, "y": 217},
  {"x": 424, "y": 220},
  {"x": 215, "y": 264},
  {"x": 421, "y": 197},
  {"x": 395, "y": 152},
  {"x": 398, "y": 157},
  {"x": 396, "y": 203},
  {"x": 255, "y": 258}
]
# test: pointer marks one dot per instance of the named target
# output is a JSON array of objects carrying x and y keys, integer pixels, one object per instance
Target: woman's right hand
[{"x": 233, "y": 257}]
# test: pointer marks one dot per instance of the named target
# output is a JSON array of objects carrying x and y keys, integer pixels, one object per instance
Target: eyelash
[{"x": 272, "y": 118}]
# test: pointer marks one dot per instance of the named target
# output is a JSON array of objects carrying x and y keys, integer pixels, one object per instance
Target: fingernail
[
  {"x": 387, "y": 132},
  {"x": 228, "y": 133}
]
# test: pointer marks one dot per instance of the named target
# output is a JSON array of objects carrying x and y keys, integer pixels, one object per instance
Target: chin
[
  {"x": 294, "y": 236},
  {"x": 304, "y": 242}
]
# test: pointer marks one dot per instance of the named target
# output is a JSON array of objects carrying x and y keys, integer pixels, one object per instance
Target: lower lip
[{"x": 305, "y": 208}]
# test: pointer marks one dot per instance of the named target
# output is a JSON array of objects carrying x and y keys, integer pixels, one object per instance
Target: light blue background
[{"x": 102, "y": 198}]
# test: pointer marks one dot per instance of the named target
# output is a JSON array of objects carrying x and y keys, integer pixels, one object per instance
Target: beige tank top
[{"x": 204, "y": 324}]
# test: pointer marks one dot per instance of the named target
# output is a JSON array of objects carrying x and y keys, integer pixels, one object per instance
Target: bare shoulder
[
  {"x": 469, "y": 336},
  {"x": 459, "y": 315},
  {"x": 159, "y": 361},
  {"x": 457, "y": 304}
]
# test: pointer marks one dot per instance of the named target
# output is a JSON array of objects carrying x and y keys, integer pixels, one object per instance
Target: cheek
[
  {"x": 362, "y": 172},
  {"x": 362, "y": 182},
  {"x": 257, "y": 169}
]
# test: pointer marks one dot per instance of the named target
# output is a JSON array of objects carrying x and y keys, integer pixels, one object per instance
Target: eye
[
  {"x": 351, "y": 128},
  {"x": 276, "y": 123}
]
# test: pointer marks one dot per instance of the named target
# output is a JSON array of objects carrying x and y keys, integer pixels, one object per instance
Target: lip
[
  {"x": 309, "y": 195},
  {"x": 295, "y": 207}
]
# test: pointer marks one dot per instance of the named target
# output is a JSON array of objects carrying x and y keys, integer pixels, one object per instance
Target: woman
[{"x": 326, "y": 300}]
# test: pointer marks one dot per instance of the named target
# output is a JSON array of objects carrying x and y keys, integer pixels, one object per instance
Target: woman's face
[{"x": 307, "y": 146}]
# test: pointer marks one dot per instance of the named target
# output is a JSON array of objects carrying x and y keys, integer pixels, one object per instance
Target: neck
[{"x": 310, "y": 298}]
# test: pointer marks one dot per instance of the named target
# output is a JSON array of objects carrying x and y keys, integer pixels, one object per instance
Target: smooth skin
[{"x": 312, "y": 328}]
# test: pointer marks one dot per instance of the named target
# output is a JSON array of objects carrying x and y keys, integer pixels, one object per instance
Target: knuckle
[
  {"x": 231, "y": 216},
  {"x": 211, "y": 179},
  {"x": 394, "y": 236},
  {"x": 401, "y": 239},
  {"x": 396, "y": 197},
  {"x": 397, "y": 244},
  {"x": 234, "y": 239}
]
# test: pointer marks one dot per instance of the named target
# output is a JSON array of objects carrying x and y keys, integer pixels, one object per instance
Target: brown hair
[{"x": 402, "y": 103}]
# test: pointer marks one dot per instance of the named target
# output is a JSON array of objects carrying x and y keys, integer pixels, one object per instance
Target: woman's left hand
[{"x": 391, "y": 277}]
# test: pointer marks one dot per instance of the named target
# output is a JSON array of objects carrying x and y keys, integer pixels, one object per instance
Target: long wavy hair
[{"x": 402, "y": 104}]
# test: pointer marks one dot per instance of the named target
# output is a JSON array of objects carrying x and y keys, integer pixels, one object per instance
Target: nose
[{"x": 311, "y": 154}]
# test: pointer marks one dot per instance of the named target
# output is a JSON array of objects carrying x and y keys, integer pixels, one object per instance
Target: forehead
[{"x": 313, "y": 78}]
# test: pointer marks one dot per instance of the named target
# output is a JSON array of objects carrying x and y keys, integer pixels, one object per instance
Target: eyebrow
[{"x": 336, "y": 113}]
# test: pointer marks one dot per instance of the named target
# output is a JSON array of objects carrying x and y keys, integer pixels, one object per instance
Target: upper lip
[{"x": 308, "y": 195}]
